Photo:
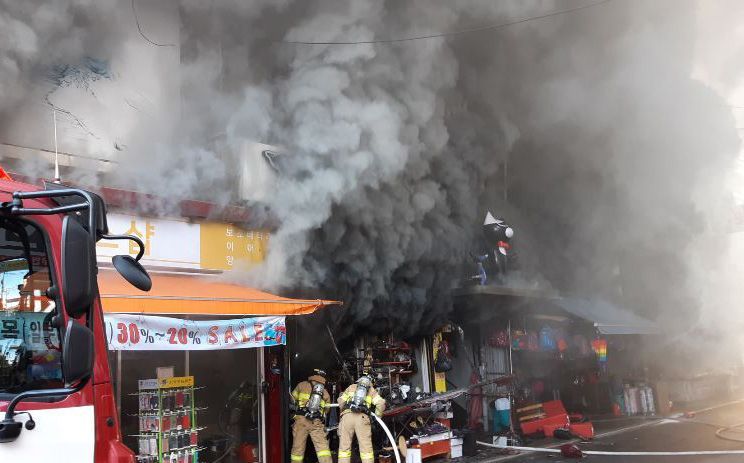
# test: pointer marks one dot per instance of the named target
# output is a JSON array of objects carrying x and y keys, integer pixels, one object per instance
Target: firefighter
[
  {"x": 310, "y": 400},
  {"x": 357, "y": 402}
]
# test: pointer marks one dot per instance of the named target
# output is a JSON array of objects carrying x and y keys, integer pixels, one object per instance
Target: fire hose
[
  {"x": 720, "y": 431},
  {"x": 389, "y": 435},
  {"x": 599, "y": 452}
]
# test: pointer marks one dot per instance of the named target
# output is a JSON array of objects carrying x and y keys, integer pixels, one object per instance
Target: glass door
[{"x": 231, "y": 404}]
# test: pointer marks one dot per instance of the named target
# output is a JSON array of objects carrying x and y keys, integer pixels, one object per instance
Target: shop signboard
[
  {"x": 146, "y": 332},
  {"x": 179, "y": 244},
  {"x": 177, "y": 381}
]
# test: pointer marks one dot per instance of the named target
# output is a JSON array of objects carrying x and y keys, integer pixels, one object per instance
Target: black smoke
[{"x": 587, "y": 130}]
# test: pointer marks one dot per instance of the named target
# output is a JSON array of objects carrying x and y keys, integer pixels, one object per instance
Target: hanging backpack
[{"x": 443, "y": 362}]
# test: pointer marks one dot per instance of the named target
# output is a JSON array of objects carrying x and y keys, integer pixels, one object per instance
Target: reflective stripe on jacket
[{"x": 373, "y": 400}]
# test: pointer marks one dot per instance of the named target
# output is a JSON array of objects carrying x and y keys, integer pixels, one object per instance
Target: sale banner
[{"x": 146, "y": 332}]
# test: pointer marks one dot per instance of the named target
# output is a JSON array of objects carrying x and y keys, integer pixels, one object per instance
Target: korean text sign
[{"x": 146, "y": 332}]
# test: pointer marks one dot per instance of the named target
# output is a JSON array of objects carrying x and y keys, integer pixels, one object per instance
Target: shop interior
[
  {"x": 520, "y": 374},
  {"x": 513, "y": 374},
  {"x": 226, "y": 396}
]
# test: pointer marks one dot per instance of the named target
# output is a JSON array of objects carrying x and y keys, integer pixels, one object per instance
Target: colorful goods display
[
  {"x": 167, "y": 421},
  {"x": 599, "y": 346}
]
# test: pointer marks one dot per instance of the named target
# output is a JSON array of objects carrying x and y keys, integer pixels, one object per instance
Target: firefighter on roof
[
  {"x": 310, "y": 400},
  {"x": 357, "y": 402}
]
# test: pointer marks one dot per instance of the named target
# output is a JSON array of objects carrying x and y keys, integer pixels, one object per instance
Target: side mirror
[
  {"x": 133, "y": 272},
  {"x": 77, "y": 353},
  {"x": 78, "y": 268}
]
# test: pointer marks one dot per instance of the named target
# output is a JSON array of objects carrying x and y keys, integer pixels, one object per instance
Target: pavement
[{"x": 675, "y": 433}]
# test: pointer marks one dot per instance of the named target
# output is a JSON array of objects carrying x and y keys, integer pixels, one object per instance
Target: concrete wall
[{"x": 138, "y": 84}]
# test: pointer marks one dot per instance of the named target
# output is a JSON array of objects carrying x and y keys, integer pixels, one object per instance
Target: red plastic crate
[
  {"x": 549, "y": 429},
  {"x": 556, "y": 416}
]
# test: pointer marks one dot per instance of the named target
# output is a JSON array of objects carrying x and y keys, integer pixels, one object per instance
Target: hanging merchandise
[
  {"x": 274, "y": 366},
  {"x": 547, "y": 338},
  {"x": 519, "y": 340},
  {"x": 443, "y": 363},
  {"x": 562, "y": 345},
  {"x": 632, "y": 400},
  {"x": 643, "y": 400},
  {"x": 533, "y": 343},
  {"x": 650, "y": 398},
  {"x": 475, "y": 402},
  {"x": 167, "y": 428},
  {"x": 599, "y": 346},
  {"x": 560, "y": 340},
  {"x": 499, "y": 338},
  {"x": 442, "y": 360}
]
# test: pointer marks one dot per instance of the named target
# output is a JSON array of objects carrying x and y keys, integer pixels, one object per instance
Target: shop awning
[
  {"x": 607, "y": 318},
  {"x": 196, "y": 295}
]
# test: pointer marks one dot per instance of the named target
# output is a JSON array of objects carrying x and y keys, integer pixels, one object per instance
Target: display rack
[
  {"x": 385, "y": 357},
  {"x": 168, "y": 431}
]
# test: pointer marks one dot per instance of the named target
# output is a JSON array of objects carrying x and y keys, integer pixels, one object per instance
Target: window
[{"x": 30, "y": 347}]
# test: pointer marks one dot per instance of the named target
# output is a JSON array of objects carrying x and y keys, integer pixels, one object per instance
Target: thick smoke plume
[{"x": 617, "y": 157}]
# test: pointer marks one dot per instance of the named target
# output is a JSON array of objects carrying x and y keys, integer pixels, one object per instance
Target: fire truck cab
[{"x": 56, "y": 398}]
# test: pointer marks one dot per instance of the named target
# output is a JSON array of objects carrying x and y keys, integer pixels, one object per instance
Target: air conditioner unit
[{"x": 259, "y": 169}]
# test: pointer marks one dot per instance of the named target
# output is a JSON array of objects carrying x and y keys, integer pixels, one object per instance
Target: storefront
[
  {"x": 230, "y": 339},
  {"x": 222, "y": 344},
  {"x": 581, "y": 353}
]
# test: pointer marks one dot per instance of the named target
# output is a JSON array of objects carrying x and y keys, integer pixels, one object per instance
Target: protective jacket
[
  {"x": 303, "y": 427},
  {"x": 359, "y": 424},
  {"x": 301, "y": 393},
  {"x": 374, "y": 402}
]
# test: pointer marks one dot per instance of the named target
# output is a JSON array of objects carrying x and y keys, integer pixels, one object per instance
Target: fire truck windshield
[{"x": 30, "y": 348}]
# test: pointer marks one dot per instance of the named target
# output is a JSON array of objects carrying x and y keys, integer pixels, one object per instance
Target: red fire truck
[{"x": 56, "y": 397}]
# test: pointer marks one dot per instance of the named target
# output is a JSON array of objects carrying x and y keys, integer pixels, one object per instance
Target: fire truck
[{"x": 56, "y": 397}]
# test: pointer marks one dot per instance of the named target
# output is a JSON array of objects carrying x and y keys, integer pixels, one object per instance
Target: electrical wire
[
  {"x": 139, "y": 28},
  {"x": 453, "y": 33}
]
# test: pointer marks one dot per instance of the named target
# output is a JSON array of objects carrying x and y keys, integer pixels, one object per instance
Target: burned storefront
[
  {"x": 586, "y": 354},
  {"x": 511, "y": 360},
  {"x": 563, "y": 355},
  {"x": 421, "y": 410}
]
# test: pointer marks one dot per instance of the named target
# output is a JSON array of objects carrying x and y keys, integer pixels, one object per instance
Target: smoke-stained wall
[{"x": 89, "y": 62}]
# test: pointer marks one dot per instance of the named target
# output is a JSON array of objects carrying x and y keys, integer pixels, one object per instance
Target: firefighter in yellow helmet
[
  {"x": 310, "y": 400},
  {"x": 356, "y": 403}
]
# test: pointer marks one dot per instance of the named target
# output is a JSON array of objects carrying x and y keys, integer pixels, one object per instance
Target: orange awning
[{"x": 196, "y": 295}]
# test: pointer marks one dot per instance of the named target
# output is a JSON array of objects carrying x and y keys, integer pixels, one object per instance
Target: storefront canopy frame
[
  {"x": 174, "y": 294},
  {"x": 608, "y": 318}
]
